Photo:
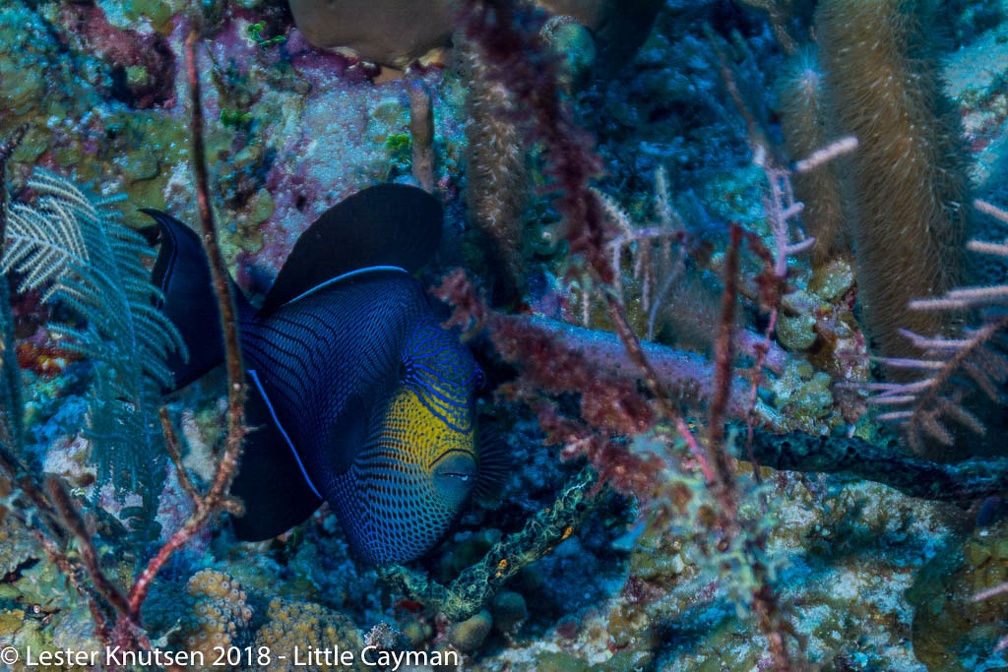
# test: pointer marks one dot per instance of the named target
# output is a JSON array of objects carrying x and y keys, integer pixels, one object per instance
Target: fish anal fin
[{"x": 271, "y": 482}]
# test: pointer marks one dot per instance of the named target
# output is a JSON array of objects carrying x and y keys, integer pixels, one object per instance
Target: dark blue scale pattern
[{"x": 317, "y": 356}]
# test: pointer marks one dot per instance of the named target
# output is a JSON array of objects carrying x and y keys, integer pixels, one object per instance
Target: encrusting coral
[
  {"x": 218, "y": 618},
  {"x": 307, "y": 626}
]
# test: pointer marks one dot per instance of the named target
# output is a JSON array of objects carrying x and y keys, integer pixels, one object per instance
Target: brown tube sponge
[
  {"x": 497, "y": 179},
  {"x": 908, "y": 185},
  {"x": 805, "y": 122}
]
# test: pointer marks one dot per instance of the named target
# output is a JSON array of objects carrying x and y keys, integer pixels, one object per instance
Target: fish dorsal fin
[{"x": 388, "y": 225}]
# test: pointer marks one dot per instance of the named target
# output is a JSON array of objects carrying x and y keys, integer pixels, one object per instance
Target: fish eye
[
  {"x": 454, "y": 478},
  {"x": 405, "y": 369}
]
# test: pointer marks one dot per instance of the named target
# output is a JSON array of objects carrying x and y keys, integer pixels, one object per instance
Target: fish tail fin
[{"x": 182, "y": 273}]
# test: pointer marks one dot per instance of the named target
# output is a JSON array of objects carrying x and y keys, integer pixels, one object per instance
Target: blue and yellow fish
[{"x": 357, "y": 396}]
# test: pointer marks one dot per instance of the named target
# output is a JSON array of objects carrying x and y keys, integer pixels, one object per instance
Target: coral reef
[
  {"x": 308, "y": 626},
  {"x": 682, "y": 388},
  {"x": 218, "y": 616}
]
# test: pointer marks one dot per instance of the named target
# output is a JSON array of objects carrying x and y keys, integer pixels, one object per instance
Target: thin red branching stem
[
  {"x": 757, "y": 379},
  {"x": 75, "y": 525},
  {"x": 216, "y": 498},
  {"x": 617, "y": 314},
  {"x": 50, "y": 533},
  {"x": 765, "y": 604},
  {"x": 172, "y": 445},
  {"x": 724, "y": 358}
]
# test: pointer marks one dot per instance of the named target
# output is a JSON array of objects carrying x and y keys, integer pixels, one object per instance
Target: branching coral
[
  {"x": 475, "y": 587},
  {"x": 952, "y": 368},
  {"x": 658, "y": 252}
]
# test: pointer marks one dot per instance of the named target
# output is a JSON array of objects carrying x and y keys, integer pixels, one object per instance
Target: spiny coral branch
[{"x": 216, "y": 499}]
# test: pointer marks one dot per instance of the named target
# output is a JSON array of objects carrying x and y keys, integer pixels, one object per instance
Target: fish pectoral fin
[
  {"x": 271, "y": 479},
  {"x": 347, "y": 437}
]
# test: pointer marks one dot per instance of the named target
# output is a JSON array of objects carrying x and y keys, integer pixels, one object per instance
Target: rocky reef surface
[{"x": 865, "y": 576}]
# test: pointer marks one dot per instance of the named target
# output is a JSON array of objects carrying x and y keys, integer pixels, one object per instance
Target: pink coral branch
[{"x": 937, "y": 395}]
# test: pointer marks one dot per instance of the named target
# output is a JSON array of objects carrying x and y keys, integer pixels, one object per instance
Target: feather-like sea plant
[
  {"x": 72, "y": 246},
  {"x": 953, "y": 367}
]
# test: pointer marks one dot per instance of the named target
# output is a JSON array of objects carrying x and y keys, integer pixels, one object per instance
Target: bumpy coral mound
[
  {"x": 219, "y": 617},
  {"x": 949, "y": 625},
  {"x": 308, "y": 633}
]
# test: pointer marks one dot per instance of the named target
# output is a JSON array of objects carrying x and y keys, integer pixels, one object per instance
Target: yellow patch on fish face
[
  {"x": 413, "y": 477},
  {"x": 420, "y": 461},
  {"x": 441, "y": 457}
]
